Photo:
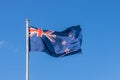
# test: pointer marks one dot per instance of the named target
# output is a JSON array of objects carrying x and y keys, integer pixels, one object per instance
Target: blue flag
[{"x": 56, "y": 43}]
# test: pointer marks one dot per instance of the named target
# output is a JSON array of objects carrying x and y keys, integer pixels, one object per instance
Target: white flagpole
[{"x": 27, "y": 49}]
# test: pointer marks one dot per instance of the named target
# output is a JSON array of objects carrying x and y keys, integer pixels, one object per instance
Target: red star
[
  {"x": 64, "y": 42},
  {"x": 67, "y": 50}
]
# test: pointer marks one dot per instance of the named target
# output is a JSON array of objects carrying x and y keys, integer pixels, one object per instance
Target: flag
[{"x": 56, "y": 43}]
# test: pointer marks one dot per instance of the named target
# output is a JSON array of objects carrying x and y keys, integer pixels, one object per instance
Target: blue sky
[{"x": 99, "y": 19}]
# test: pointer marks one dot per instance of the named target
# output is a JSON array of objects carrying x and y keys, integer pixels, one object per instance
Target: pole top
[{"x": 27, "y": 19}]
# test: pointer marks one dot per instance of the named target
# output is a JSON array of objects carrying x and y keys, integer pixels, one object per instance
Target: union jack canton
[{"x": 56, "y": 43}]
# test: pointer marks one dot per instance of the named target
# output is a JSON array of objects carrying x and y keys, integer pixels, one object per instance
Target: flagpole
[{"x": 27, "y": 49}]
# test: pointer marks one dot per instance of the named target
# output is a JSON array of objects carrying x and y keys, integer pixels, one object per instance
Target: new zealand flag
[{"x": 56, "y": 43}]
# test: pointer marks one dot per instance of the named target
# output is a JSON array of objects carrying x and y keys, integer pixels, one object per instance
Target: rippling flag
[{"x": 54, "y": 43}]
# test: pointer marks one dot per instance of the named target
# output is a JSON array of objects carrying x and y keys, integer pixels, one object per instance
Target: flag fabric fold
[{"x": 56, "y": 43}]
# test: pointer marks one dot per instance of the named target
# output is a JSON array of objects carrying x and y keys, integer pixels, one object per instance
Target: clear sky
[{"x": 99, "y": 19}]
